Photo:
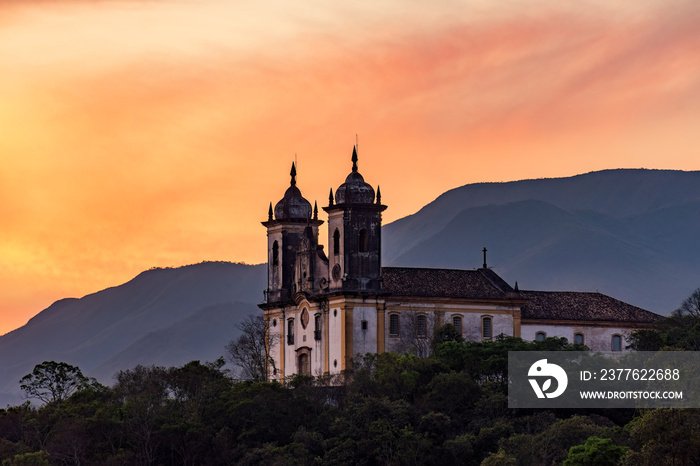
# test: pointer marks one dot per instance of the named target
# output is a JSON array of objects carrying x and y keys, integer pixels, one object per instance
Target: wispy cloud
[{"x": 155, "y": 133}]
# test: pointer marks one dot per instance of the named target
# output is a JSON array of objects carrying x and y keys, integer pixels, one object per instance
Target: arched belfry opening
[
  {"x": 336, "y": 242},
  {"x": 363, "y": 241}
]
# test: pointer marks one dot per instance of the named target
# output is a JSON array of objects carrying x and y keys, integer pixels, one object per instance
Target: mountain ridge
[
  {"x": 91, "y": 330},
  {"x": 644, "y": 221},
  {"x": 628, "y": 233},
  {"x": 433, "y": 216}
]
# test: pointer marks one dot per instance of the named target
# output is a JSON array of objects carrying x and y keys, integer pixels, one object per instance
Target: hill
[
  {"x": 631, "y": 234},
  {"x": 163, "y": 316}
]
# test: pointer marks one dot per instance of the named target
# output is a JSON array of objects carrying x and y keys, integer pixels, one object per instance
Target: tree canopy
[
  {"x": 680, "y": 330},
  {"x": 394, "y": 409},
  {"x": 53, "y": 382}
]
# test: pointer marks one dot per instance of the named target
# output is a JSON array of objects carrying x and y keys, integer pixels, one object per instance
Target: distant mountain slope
[
  {"x": 104, "y": 327},
  {"x": 632, "y": 234},
  {"x": 201, "y": 336}
]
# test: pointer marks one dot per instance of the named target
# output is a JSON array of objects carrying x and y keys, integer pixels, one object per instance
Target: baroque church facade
[{"x": 322, "y": 309}]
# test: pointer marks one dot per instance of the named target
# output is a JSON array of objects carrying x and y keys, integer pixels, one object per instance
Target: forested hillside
[{"x": 397, "y": 409}]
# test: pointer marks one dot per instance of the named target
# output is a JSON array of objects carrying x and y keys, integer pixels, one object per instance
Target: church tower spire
[
  {"x": 293, "y": 214},
  {"x": 354, "y": 235}
]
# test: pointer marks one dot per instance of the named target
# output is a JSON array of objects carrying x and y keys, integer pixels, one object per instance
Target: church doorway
[{"x": 304, "y": 361}]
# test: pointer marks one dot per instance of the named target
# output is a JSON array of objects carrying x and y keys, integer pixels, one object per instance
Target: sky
[{"x": 155, "y": 133}]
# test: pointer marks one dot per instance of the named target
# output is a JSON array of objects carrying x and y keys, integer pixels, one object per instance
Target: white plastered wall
[
  {"x": 597, "y": 338},
  {"x": 275, "y": 327},
  {"x": 472, "y": 314},
  {"x": 334, "y": 340},
  {"x": 364, "y": 341}
]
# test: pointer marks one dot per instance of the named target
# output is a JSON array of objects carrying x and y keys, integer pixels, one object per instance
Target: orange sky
[{"x": 155, "y": 133}]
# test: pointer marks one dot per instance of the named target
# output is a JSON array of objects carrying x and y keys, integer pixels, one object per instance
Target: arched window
[
  {"x": 364, "y": 241},
  {"x": 290, "y": 332},
  {"x": 540, "y": 336},
  {"x": 578, "y": 338},
  {"x": 457, "y": 322},
  {"x": 336, "y": 242},
  {"x": 304, "y": 367},
  {"x": 393, "y": 325},
  {"x": 275, "y": 253},
  {"x": 421, "y": 326},
  {"x": 486, "y": 328},
  {"x": 617, "y": 343}
]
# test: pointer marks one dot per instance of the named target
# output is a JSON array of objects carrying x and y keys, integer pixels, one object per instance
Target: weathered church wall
[
  {"x": 365, "y": 340},
  {"x": 335, "y": 331},
  {"x": 597, "y": 338}
]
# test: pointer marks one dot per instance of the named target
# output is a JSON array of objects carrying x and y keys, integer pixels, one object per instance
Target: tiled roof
[
  {"x": 444, "y": 283},
  {"x": 572, "y": 305},
  {"x": 486, "y": 284}
]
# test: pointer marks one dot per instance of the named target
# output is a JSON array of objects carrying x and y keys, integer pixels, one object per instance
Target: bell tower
[
  {"x": 354, "y": 234},
  {"x": 286, "y": 230}
]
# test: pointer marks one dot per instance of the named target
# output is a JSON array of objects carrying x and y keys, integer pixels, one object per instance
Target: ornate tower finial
[
  {"x": 293, "y": 173},
  {"x": 354, "y": 158},
  {"x": 315, "y": 210},
  {"x": 379, "y": 195},
  {"x": 330, "y": 198},
  {"x": 516, "y": 286},
  {"x": 269, "y": 213},
  {"x": 484, "y": 250}
]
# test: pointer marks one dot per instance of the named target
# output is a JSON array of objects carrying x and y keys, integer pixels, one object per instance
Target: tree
[
  {"x": 691, "y": 305},
  {"x": 595, "y": 452},
  {"x": 679, "y": 330},
  {"x": 143, "y": 396},
  {"x": 646, "y": 339},
  {"x": 38, "y": 458},
  {"x": 664, "y": 437},
  {"x": 251, "y": 350},
  {"x": 417, "y": 330},
  {"x": 53, "y": 382},
  {"x": 446, "y": 332}
]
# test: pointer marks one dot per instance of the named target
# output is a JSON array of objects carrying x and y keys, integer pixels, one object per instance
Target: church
[{"x": 324, "y": 308}]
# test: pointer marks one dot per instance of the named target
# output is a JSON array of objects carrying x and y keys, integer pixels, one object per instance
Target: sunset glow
[{"x": 136, "y": 134}]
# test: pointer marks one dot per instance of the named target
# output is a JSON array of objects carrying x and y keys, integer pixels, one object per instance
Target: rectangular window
[
  {"x": 617, "y": 343},
  {"x": 290, "y": 332},
  {"x": 317, "y": 327},
  {"x": 393, "y": 325},
  {"x": 486, "y": 328},
  {"x": 578, "y": 338},
  {"x": 421, "y": 326},
  {"x": 457, "y": 322},
  {"x": 364, "y": 325}
]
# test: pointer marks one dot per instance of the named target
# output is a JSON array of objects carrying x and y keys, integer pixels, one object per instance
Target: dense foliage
[
  {"x": 396, "y": 409},
  {"x": 53, "y": 382},
  {"x": 678, "y": 331}
]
